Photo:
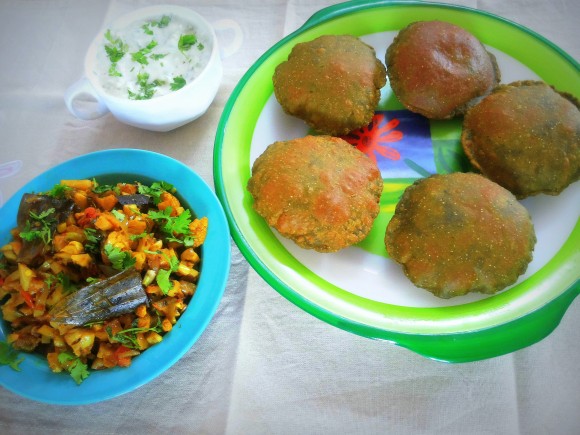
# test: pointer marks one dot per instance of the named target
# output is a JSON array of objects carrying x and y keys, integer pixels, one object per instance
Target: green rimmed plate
[{"x": 359, "y": 289}]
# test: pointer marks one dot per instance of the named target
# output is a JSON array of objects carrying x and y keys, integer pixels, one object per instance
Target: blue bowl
[{"x": 35, "y": 380}]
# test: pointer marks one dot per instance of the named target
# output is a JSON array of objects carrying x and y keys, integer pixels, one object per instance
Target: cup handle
[
  {"x": 74, "y": 95},
  {"x": 235, "y": 42}
]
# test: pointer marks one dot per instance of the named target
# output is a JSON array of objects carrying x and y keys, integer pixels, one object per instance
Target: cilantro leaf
[
  {"x": 175, "y": 228},
  {"x": 146, "y": 88},
  {"x": 155, "y": 190},
  {"x": 119, "y": 215},
  {"x": 128, "y": 337},
  {"x": 186, "y": 42},
  {"x": 9, "y": 356},
  {"x": 116, "y": 48},
  {"x": 102, "y": 188},
  {"x": 72, "y": 363},
  {"x": 119, "y": 259},
  {"x": 163, "y": 277},
  {"x": 38, "y": 226},
  {"x": 163, "y": 22},
  {"x": 93, "y": 242},
  {"x": 147, "y": 29},
  {"x": 178, "y": 83},
  {"x": 67, "y": 285},
  {"x": 141, "y": 55},
  {"x": 113, "y": 71},
  {"x": 58, "y": 191}
]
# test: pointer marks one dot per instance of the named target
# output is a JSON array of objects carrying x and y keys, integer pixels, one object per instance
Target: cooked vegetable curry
[{"x": 96, "y": 274}]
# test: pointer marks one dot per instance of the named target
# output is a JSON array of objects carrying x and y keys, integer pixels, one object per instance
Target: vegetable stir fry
[{"x": 96, "y": 274}]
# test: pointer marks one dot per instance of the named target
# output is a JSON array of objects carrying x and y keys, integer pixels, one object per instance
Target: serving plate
[
  {"x": 35, "y": 380},
  {"x": 360, "y": 289}
]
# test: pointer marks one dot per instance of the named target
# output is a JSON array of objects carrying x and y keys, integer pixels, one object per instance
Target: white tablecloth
[{"x": 264, "y": 366}]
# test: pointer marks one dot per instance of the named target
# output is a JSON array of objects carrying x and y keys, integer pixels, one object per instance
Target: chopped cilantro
[
  {"x": 50, "y": 280},
  {"x": 93, "y": 242},
  {"x": 119, "y": 259},
  {"x": 102, "y": 188},
  {"x": 146, "y": 88},
  {"x": 58, "y": 191},
  {"x": 72, "y": 363},
  {"x": 113, "y": 71},
  {"x": 157, "y": 56},
  {"x": 163, "y": 277},
  {"x": 141, "y": 55},
  {"x": 175, "y": 228},
  {"x": 163, "y": 22},
  {"x": 119, "y": 215},
  {"x": 38, "y": 226},
  {"x": 186, "y": 42},
  {"x": 128, "y": 337},
  {"x": 9, "y": 356},
  {"x": 178, "y": 83},
  {"x": 147, "y": 29},
  {"x": 155, "y": 190},
  {"x": 67, "y": 285},
  {"x": 115, "y": 50}
]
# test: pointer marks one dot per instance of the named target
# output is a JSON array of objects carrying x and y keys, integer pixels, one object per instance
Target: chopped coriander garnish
[
  {"x": 178, "y": 83},
  {"x": 38, "y": 226},
  {"x": 67, "y": 285},
  {"x": 116, "y": 49},
  {"x": 147, "y": 29},
  {"x": 58, "y": 191},
  {"x": 93, "y": 243},
  {"x": 163, "y": 22},
  {"x": 163, "y": 275},
  {"x": 155, "y": 190},
  {"x": 102, "y": 188},
  {"x": 119, "y": 215},
  {"x": 128, "y": 337},
  {"x": 120, "y": 260},
  {"x": 186, "y": 42},
  {"x": 72, "y": 363},
  {"x": 175, "y": 228},
  {"x": 9, "y": 356},
  {"x": 146, "y": 88},
  {"x": 113, "y": 71},
  {"x": 141, "y": 55}
]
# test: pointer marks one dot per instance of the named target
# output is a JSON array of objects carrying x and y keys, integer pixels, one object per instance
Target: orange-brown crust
[
  {"x": 332, "y": 82},
  {"x": 319, "y": 191},
  {"x": 526, "y": 137},
  {"x": 438, "y": 69},
  {"x": 460, "y": 233}
]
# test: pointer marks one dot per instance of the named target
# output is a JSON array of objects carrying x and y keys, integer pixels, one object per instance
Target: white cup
[{"x": 165, "y": 112}]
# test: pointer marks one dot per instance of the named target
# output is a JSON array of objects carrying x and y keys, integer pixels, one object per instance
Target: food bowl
[
  {"x": 159, "y": 113},
  {"x": 360, "y": 289},
  {"x": 35, "y": 380}
]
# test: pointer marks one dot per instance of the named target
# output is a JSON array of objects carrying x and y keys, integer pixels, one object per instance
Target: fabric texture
[{"x": 264, "y": 366}]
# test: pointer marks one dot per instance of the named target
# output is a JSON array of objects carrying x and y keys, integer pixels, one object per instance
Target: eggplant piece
[
  {"x": 138, "y": 199},
  {"x": 38, "y": 204},
  {"x": 111, "y": 297}
]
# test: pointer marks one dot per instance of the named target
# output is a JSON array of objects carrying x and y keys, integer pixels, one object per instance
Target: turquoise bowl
[{"x": 35, "y": 380}]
